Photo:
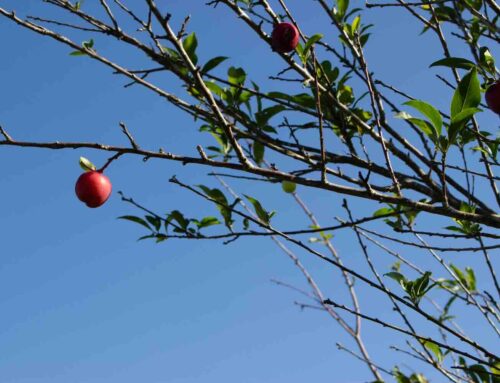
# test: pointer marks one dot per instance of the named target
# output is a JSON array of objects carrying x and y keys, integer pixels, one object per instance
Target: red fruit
[
  {"x": 492, "y": 97},
  {"x": 93, "y": 188},
  {"x": 284, "y": 38}
]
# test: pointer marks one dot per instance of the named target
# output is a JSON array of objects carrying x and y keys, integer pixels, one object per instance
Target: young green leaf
[
  {"x": 86, "y": 165},
  {"x": 435, "y": 349},
  {"x": 487, "y": 60},
  {"x": 87, "y": 45},
  {"x": 467, "y": 95},
  {"x": 342, "y": 6},
  {"x": 263, "y": 215},
  {"x": 206, "y": 222},
  {"x": 398, "y": 277},
  {"x": 312, "y": 40},
  {"x": 190, "y": 44}
]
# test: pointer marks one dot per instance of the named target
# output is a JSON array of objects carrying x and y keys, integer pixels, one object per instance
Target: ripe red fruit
[
  {"x": 284, "y": 38},
  {"x": 93, "y": 188},
  {"x": 492, "y": 97}
]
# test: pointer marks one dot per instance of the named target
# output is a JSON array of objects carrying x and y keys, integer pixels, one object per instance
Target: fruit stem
[{"x": 111, "y": 159}]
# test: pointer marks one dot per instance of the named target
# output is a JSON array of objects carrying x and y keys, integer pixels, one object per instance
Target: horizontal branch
[{"x": 492, "y": 220}]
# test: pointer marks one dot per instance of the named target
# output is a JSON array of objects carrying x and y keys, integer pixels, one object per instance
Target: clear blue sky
[{"x": 82, "y": 301}]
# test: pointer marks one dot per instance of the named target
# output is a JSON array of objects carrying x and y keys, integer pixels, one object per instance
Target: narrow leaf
[
  {"x": 454, "y": 62},
  {"x": 135, "y": 219},
  {"x": 212, "y": 63}
]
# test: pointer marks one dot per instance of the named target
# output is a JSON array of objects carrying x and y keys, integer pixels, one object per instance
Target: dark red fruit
[
  {"x": 93, "y": 188},
  {"x": 284, "y": 38},
  {"x": 492, "y": 97}
]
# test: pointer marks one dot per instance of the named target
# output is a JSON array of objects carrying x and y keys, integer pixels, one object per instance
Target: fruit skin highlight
[
  {"x": 93, "y": 188},
  {"x": 285, "y": 37},
  {"x": 492, "y": 97}
]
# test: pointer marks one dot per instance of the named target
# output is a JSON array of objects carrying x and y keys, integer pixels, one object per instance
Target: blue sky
[{"x": 83, "y": 301}]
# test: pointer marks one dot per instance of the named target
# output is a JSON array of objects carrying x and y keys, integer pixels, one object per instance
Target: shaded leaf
[
  {"x": 212, "y": 63},
  {"x": 258, "y": 152},
  {"x": 454, "y": 62},
  {"x": 135, "y": 219}
]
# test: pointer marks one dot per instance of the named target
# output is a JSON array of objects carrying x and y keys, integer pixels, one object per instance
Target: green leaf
[
  {"x": 87, "y": 45},
  {"x": 487, "y": 60},
  {"x": 459, "y": 121},
  {"x": 258, "y": 152},
  {"x": 471, "y": 278},
  {"x": 212, "y": 63},
  {"x": 345, "y": 94},
  {"x": 402, "y": 115},
  {"x": 77, "y": 53},
  {"x": 179, "y": 218},
  {"x": 467, "y": 94},
  {"x": 355, "y": 24},
  {"x": 206, "y": 222},
  {"x": 421, "y": 284},
  {"x": 478, "y": 373},
  {"x": 263, "y": 215},
  {"x": 342, "y": 6},
  {"x": 78, "y": 5},
  {"x": 383, "y": 211},
  {"x": 464, "y": 115},
  {"x": 266, "y": 114},
  {"x": 398, "y": 277},
  {"x": 280, "y": 96},
  {"x": 236, "y": 76},
  {"x": 454, "y": 62},
  {"x": 400, "y": 377},
  {"x": 86, "y": 165},
  {"x": 426, "y": 127},
  {"x": 155, "y": 221},
  {"x": 214, "y": 88},
  {"x": 135, "y": 219},
  {"x": 468, "y": 279},
  {"x": 288, "y": 186},
  {"x": 435, "y": 349},
  {"x": 190, "y": 44},
  {"x": 430, "y": 112},
  {"x": 222, "y": 204},
  {"x": 312, "y": 40}
]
